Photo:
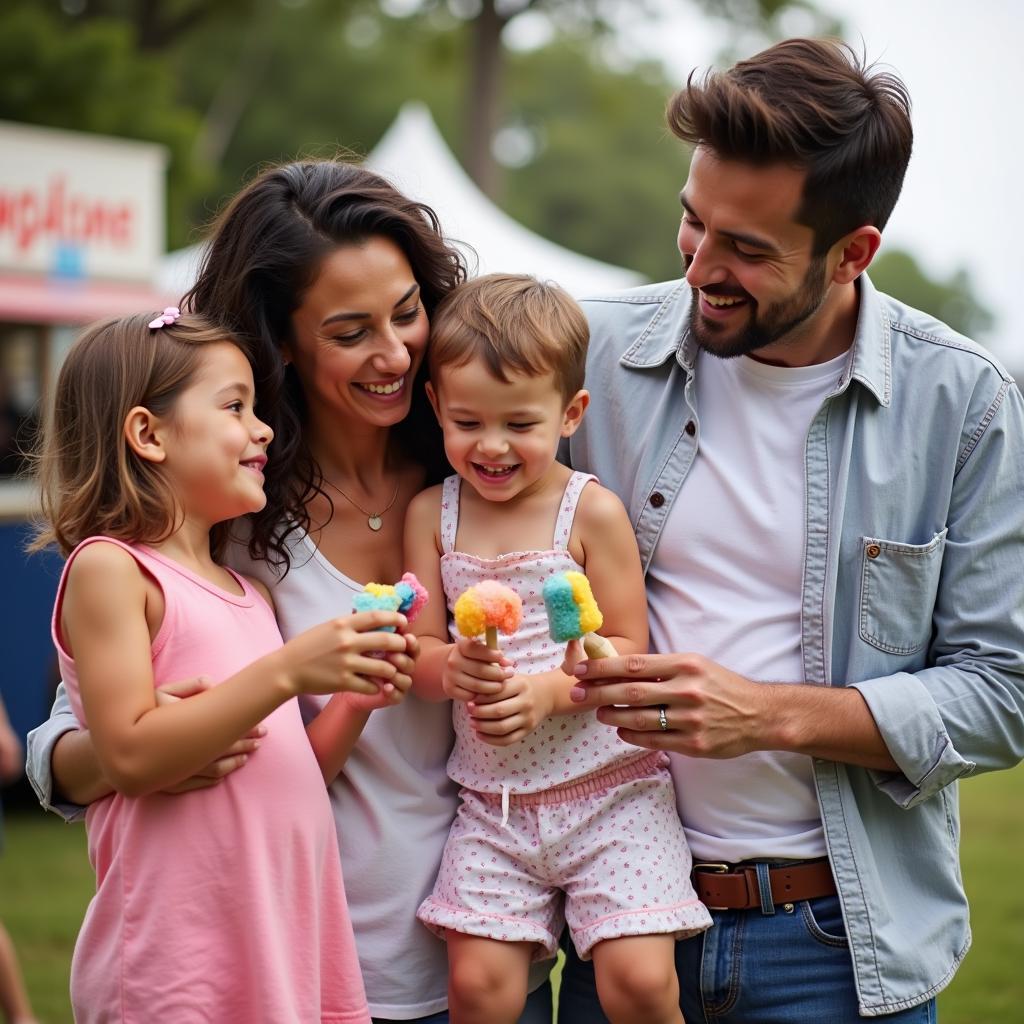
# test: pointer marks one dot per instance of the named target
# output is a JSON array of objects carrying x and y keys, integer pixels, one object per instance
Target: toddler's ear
[
  {"x": 142, "y": 431},
  {"x": 432, "y": 398},
  {"x": 573, "y": 415}
]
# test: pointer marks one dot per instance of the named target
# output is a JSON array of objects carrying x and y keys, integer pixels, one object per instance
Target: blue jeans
[
  {"x": 754, "y": 968},
  {"x": 537, "y": 1010}
]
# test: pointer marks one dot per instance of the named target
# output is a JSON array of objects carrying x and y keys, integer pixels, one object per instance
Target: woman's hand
[
  {"x": 393, "y": 690},
  {"x": 508, "y": 716},
  {"x": 231, "y": 760},
  {"x": 474, "y": 670}
]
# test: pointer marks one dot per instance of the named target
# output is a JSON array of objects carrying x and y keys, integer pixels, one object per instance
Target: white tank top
[{"x": 564, "y": 747}]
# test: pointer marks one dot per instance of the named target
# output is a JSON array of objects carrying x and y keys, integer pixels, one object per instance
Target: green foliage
[
  {"x": 46, "y": 883},
  {"x": 231, "y": 86},
  {"x": 952, "y": 301},
  {"x": 606, "y": 178},
  {"x": 90, "y": 77}
]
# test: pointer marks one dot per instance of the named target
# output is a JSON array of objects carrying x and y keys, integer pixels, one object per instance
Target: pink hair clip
[{"x": 168, "y": 316}]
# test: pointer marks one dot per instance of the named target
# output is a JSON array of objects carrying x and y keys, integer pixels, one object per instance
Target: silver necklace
[{"x": 374, "y": 520}]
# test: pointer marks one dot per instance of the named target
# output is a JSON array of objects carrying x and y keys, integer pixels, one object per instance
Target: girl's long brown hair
[
  {"x": 265, "y": 251},
  {"x": 90, "y": 481}
]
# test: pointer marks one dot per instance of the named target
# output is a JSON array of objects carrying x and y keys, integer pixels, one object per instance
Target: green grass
[{"x": 45, "y": 884}]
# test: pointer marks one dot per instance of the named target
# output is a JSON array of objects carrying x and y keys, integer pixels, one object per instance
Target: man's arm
[
  {"x": 917, "y": 732},
  {"x": 712, "y": 712}
]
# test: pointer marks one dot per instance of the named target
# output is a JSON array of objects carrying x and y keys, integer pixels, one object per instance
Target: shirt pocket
[{"x": 897, "y": 592}]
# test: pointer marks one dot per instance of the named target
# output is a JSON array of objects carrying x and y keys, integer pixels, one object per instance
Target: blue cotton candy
[
  {"x": 563, "y": 612},
  {"x": 365, "y": 602}
]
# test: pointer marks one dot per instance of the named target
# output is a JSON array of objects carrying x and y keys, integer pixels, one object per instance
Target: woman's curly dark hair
[{"x": 264, "y": 253}]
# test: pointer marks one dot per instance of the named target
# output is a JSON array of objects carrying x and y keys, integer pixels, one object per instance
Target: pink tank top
[
  {"x": 564, "y": 747},
  {"x": 223, "y": 904}
]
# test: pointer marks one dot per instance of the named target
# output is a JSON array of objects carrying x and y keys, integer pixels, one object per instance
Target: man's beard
[{"x": 762, "y": 328}]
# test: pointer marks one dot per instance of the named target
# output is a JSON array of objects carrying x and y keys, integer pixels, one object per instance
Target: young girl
[
  {"x": 571, "y": 809},
  {"x": 225, "y": 903}
]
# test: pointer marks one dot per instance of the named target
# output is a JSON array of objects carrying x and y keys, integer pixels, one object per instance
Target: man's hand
[{"x": 709, "y": 711}]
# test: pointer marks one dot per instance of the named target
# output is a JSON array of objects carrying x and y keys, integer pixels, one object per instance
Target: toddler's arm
[
  {"x": 142, "y": 747},
  {"x": 443, "y": 670},
  {"x": 604, "y": 544}
]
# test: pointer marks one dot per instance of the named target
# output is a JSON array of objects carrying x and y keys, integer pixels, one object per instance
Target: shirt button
[
  {"x": 657, "y": 499},
  {"x": 873, "y": 551},
  {"x": 690, "y": 428}
]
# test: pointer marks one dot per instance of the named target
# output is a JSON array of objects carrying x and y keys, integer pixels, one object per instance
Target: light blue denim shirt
[{"x": 913, "y": 588}]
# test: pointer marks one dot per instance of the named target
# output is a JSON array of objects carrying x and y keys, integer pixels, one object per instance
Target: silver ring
[{"x": 662, "y": 719}]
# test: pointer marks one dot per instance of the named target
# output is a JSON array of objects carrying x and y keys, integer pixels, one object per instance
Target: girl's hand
[
  {"x": 474, "y": 670},
  {"x": 513, "y": 713},
  {"x": 231, "y": 760},
  {"x": 338, "y": 655}
]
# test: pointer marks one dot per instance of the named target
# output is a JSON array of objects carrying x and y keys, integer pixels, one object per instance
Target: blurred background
[{"x": 535, "y": 129}]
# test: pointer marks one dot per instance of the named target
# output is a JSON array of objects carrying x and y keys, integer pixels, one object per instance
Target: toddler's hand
[
  {"x": 474, "y": 670},
  {"x": 338, "y": 656},
  {"x": 513, "y": 713}
]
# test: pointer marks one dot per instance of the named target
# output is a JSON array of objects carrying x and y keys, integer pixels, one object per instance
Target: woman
[{"x": 332, "y": 274}]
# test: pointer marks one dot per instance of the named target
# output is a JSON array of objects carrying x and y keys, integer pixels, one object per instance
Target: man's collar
[{"x": 668, "y": 334}]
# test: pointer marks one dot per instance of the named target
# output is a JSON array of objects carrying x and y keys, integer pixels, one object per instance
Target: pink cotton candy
[{"x": 489, "y": 604}]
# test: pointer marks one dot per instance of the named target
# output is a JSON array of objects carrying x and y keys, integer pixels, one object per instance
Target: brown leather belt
[{"x": 735, "y": 886}]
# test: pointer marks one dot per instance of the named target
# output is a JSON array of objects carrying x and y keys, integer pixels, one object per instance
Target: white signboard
[{"x": 76, "y": 205}]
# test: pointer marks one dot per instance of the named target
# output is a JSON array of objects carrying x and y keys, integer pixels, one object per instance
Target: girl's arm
[
  {"x": 141, "y": 747},
  {"x": 65, "y": 771}
]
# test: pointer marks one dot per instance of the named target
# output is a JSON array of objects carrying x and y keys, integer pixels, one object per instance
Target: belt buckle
[{"x": 714, "y": 868}]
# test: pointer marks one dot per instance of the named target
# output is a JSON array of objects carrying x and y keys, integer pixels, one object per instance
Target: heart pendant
[{"x": 374, "y": 523}]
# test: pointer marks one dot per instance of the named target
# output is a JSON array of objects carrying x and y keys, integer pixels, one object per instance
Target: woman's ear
[
  {"x": 144, "y": 433},
  {"x": 573, "y": 415}
]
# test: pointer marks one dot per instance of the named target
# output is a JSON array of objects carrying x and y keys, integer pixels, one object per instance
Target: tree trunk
[{"x": 483, "y": 102}]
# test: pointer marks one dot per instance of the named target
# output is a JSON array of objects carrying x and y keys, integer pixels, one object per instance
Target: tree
[
  {"x": 952, "y": 301},
  {"x": 487, "y": 58},
  {"x": 91, "y": 77}
]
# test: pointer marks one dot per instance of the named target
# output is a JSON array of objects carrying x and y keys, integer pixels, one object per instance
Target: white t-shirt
[{"x": 725, "y": 582}]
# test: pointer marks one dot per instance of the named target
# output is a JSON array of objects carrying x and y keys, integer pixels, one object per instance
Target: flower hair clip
[{"x": 168, "y": 316}]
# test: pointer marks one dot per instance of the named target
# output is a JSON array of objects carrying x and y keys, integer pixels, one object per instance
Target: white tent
[{"x": 413, "y": 155}]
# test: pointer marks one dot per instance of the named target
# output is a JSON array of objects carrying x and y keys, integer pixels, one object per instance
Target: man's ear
[
  {"x": 432, "y": 398},
  {"x": 144, "y": 433},
  {"x": 573, "y": 415},
  {"x": 855, "y": 252}
]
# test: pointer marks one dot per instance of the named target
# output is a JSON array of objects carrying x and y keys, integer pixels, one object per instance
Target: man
[{"x": 826, "y": 489}]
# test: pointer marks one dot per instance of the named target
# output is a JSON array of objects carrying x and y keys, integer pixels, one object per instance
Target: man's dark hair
[{"x": 814, "y": 104}]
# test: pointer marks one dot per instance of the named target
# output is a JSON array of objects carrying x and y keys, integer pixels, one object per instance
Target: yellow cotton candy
[
  {"x": 591, "y": 618},
  {"x": 470, "y": 619}
]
